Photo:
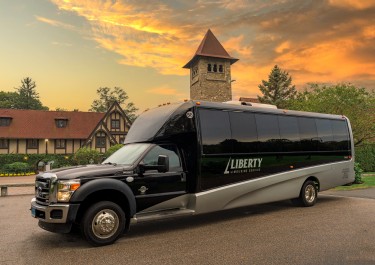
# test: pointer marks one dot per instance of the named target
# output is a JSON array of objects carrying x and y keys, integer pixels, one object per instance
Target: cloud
[
  {"x": 353, "y": 4},
  {"x": 315, "y": 41},
  {"x": 55, "y": 23}
]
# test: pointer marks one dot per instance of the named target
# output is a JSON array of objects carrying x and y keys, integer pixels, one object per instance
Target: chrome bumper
[{"x": 56, "y": 213}]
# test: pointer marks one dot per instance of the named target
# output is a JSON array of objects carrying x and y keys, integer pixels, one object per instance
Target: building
[
  {"x": 249, "y": 100},
  {"x": 60, "y": 132},
  {"x": 210, "y": 71}
]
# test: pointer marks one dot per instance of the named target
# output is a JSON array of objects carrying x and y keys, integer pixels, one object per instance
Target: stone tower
[{"x": 210, "y": 77}]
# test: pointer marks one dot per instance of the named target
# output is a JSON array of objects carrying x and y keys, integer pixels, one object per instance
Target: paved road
[{"x": 335, "y": 231}]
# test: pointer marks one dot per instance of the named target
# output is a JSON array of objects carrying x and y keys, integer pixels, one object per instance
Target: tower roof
[{"x": 211, "y": 47}]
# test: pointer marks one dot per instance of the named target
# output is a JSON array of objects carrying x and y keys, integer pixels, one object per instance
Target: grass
[{"x": 368, "y": 182}]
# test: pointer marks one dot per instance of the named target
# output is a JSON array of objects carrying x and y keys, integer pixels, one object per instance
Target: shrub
[
  {"x": 86, "y": 156},
  {"x": 358, "y": 173},
  {"x": 16, "y": 168},
  {"x": 31, "y": 160}
]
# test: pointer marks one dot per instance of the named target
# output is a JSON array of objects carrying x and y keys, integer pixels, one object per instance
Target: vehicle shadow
[{"x": 49, "y": 240}]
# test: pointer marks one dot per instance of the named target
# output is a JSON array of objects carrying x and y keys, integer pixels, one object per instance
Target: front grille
[{"x": 42, "y": 187}]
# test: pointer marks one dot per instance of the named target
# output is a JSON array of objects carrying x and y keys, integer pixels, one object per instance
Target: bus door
[{"x": 154, "y": 187}]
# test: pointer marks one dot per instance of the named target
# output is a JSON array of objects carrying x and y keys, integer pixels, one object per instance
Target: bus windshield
[{"x": 127, "y": 155}]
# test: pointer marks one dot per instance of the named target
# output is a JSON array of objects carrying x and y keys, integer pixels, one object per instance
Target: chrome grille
[{"x": 42, "y": 188}]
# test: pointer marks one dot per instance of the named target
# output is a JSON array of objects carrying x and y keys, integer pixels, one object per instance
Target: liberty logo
[{"x": 246, "y": 165}]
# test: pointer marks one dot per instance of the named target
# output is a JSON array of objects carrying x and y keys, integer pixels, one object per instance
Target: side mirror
[{"x": 163, "y": 163}]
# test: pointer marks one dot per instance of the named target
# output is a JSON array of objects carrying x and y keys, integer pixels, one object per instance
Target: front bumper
[{"x": 55, "y": 213}]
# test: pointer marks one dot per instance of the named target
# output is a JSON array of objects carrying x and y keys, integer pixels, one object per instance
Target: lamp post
[{"x": 46, "y": 140}]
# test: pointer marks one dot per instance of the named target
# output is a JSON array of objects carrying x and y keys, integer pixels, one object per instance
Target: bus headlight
[{"x": 66, "y": 188}]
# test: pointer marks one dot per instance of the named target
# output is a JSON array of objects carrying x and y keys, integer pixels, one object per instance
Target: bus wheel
[
  {"x": 308, "y": 195},
  {"x": 103, "y": 223}
]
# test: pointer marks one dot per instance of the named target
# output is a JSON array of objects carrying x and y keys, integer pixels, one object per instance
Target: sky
[{"x": 70, "y": 48}]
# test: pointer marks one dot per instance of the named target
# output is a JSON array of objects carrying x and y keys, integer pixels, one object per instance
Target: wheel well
[
  {"x": 104, "y": 195},
  {"x": 315, "y": 180}
]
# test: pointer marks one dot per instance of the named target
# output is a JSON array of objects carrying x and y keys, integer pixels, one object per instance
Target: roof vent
[{"x": 251, "y": 104}]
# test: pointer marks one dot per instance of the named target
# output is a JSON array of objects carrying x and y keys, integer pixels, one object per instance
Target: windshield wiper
[{"x": 110, "y": 163}]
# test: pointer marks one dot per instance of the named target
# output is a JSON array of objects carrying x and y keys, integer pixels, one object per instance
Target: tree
[
  {"x": 28, "y": 97},
  {"x": 343, "y": 99},
  {"x": 107, "y": 97},
  {"x": 8, "y": 100},
  {"x": 278, "y": 89}
]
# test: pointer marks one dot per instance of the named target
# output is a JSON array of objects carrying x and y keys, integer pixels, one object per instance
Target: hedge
[
  {"x": 365, "y": 156},
  {"x": 7, "y": 161}
]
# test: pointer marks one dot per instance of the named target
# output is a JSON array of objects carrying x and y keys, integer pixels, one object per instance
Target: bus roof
[{"x": 149, "y": 123}]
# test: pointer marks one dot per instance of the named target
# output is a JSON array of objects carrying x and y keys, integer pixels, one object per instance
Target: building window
[
  {"x": 115, "y": 124},
  {"x": 215, "y": 68},
  {"x": 5, "y": 121},
  {"x": 194, "y": 71},
  {"x": 61, "y": 123},
  {"x": 32, "y": 143},
  {"x": 100, "y": 141},
  {"x": 4, "y": 143},
  {"x": 220, "y": 68},
  {"x": 60, "y": 144},
  {"x": 209, "y": 68}
]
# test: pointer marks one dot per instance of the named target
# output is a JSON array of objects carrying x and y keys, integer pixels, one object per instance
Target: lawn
[{"x": 368, "y": 182}]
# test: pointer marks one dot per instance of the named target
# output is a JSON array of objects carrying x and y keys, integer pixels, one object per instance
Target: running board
[{"x": 152, "y": 216}]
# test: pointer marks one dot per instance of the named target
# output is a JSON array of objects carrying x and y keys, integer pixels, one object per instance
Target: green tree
[
  {"x": 107, "y": 97},
  {"x": 86, "y": 156},
  {"x": 278, "y": 89},
  {"x": 8, "y": 100},
  {"x": 28, "y": 97},
  {"x": 343, "y": 99}
]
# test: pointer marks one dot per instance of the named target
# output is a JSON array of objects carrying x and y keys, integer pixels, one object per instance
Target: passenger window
[
  {"x": 325, "y": 134},
  {"x": 215, "y": 131},
  {"x": 268, "y": 133},
  {"x": 308, "y": 134},
  {"x": 244, "y": 132},
  {"x": 340, "y": 135},
  {"x": 289, "y": 133},
  {"x": 170, "y": 150}
]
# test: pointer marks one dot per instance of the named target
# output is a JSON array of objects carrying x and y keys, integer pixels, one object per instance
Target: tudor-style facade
[
  {"x": 111, "y": 129},
  {"x": 60, "y": 132}
]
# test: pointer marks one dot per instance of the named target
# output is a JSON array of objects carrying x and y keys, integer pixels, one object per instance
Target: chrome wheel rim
[
  {"x": 105, "y": 223},
  {"x": 310, "y": 193}
]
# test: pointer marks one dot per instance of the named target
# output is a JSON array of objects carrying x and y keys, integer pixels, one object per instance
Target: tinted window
[
  {"x": 244, "y": 132},
  {"x": 268, "y": 133},
  {"x": 308, "y": 134},
  {"x": 340, "y": 135},
  {"x": 215, "y": 131},
  {"x": 289, "y": 133},
  {"x": 170, "y": 150},
  {"x": 325, "y": 134},
  {"x": 146, "y": 126}
]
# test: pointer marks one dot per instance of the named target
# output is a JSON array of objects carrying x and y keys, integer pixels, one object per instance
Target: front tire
[
  {"x": 308, "y": 195},
  {"x": 103, "y": 223}
]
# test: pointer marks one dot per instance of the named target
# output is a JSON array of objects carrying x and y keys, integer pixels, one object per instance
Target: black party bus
[{"x": 198, "y": 157}]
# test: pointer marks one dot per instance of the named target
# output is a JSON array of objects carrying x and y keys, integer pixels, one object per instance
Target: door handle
[{"x": 183, "y": 177}]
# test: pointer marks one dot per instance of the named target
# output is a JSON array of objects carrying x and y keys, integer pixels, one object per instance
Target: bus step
[{"x": 144, "y": 217}]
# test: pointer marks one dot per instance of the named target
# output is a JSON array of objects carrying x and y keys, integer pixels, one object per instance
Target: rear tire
[
  {"x": 103, "y": 223},
  {"x": 308, "y": 195}
]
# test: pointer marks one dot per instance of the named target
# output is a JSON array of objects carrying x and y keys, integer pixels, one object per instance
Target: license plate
[{"x": 33, "y": 212}]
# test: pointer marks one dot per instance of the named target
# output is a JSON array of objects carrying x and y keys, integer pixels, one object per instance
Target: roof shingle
[
  {"x": 211, "y": 47},
  {"x": 37, "y": 124}
]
